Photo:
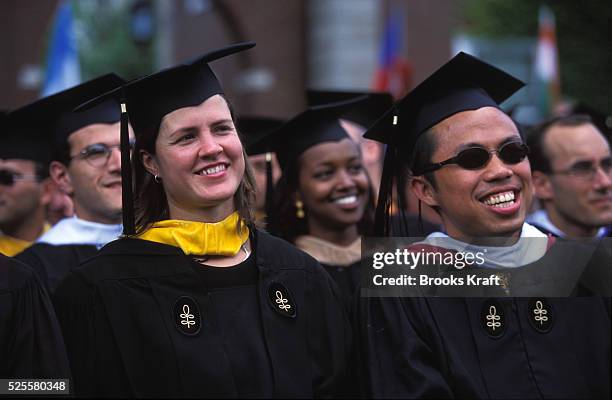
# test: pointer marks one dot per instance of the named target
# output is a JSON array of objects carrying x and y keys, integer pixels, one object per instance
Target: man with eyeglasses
[
  {"x": 572, "y": 176},
  {"x": 24, "y": 192},
  {"x": 86, "y": 165},
  {"x": 468, "y": 161}
]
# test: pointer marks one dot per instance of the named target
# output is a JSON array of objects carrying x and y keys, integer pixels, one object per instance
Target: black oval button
[
  {"x": 493, "y": 318},
  {"x": 187, "y": 317},
  {"x": 540, "y": 315},
  {"x": 281, "y": 300}
]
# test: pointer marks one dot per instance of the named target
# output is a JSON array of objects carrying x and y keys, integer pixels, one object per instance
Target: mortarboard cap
[
  {"x": 317, "y": 124},
  {"x": 106, "y": 112},
  {"x": 463, "y": 83},
  {"x": 148, "y": 99},
  {"x": 365, "y": 113},
  {"x": 34, "y": 127},
  {"x": 24, "y": 137},
  {"x": 254, "y": 129}
]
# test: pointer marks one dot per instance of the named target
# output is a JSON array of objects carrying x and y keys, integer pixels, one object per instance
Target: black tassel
[{"x": 127, "y": 201}]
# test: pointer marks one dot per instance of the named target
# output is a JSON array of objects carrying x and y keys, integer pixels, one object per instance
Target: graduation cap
[
  {"x": 37, "y": 125},
  {"x": 24, "y": 137},
  {"x": 317, "y": 124},
  {"x": 148, "y": 99},
  {"x": 254, "y": 129},
  {"x": 68, "y": 121},
  {"x": 365, "y": 113},
  {"x": 55, "y": 113},
  {"x": 463, "y": 83}
]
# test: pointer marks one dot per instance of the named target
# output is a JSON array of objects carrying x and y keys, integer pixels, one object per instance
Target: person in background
[
  {"x": 355, "y": 122},
  {"x": 410, "y": 220},
  {"x": 323, "y": 200},
  {"x": 572, "y": 175},
  {"x": 24, "y": 193},
  {"x": 86, "y": 166},
  {"x": 194, "y": 300}
]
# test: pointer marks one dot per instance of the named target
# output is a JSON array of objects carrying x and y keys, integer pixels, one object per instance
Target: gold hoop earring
[{"x": 299, "y": 209}]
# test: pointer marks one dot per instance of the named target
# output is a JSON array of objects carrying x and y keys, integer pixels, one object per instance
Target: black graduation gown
[
  {"x": 31, "y": 344},
  {"x": 124, "y": 320},
  {"x": 53, "y": 262},
  {"x": 447, "y": 347},
  {"x": 348, "y": 280},
  {"x": 409, "y": 227}
]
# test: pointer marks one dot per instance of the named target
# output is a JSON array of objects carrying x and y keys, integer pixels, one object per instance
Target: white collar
[
  {"x": 530, "y": 247},
  {"x": 540, "y": 218},
  {"x": 73, "y": 230}
]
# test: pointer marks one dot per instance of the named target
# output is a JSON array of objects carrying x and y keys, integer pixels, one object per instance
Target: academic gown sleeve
[
  {"x": 31, "y": 344},
  {"x": 400, "y": 362}
]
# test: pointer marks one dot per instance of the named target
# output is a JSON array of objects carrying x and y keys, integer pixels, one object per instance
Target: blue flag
[{"x": 63, "y": 70}]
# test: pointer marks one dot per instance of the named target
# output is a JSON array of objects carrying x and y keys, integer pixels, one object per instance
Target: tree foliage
[
  {"x": 584, "y": 39},
  {"x": 105, "y": 43}
]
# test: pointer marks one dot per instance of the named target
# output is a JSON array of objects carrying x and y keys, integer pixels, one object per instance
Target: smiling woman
[
  {"x": 196, "y": 169},
  {"x": 198, "y": 302},
  {"x": 324, "y": 200}
]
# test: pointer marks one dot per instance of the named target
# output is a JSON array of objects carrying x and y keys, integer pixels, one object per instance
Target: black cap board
[
  {"x": 463, "y": 83},
  {"x": 23, "y": 137},
  {"x": 34, "y": 127},
  {"x": 254, "y": 129},
  {"x": 148, "y": 99},
  {"x": 365, "y": 113},
  {"x": 317, "y": 124}
]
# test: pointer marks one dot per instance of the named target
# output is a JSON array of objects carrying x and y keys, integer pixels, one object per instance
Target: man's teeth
[
  {"x": 500, "y": 200},
  {"x": 346, "y": 200},
  {"x": 214, "y": 170}
]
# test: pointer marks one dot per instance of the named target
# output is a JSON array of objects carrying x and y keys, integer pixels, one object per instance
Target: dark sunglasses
[
  {"x": 8, "y": 178},
  {"x": 478, "y": 157}
]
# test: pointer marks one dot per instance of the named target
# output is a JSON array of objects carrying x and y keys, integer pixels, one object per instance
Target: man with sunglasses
[
  {"x": 24, "y": 192},
  {"x": 86, "y": 166},
  {"x": 468, "y": 161},
  {"x": 572, "y": 174}
]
